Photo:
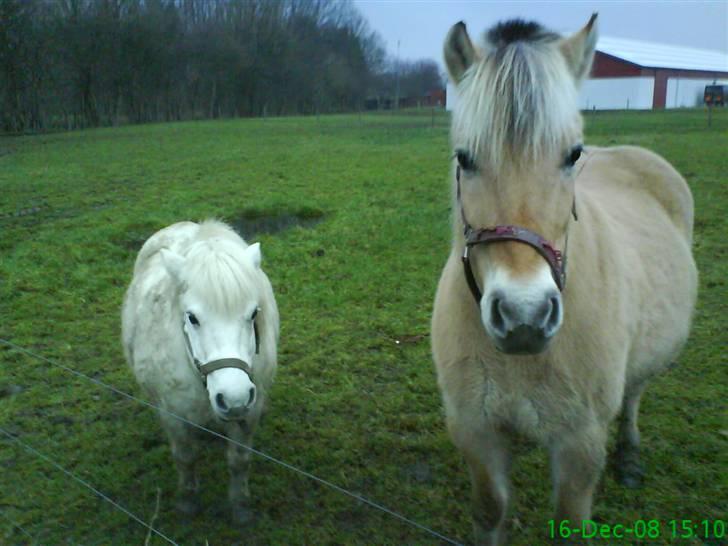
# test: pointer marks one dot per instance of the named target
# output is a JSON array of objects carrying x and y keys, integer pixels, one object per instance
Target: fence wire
[
  {"x": 255, "y": 451},
  {"x": 87, "y": 485},
  {"x": 17, "y": 526}
]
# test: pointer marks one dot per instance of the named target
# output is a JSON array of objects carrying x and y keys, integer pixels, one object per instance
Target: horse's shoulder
[{"x": 645, "y": 171}]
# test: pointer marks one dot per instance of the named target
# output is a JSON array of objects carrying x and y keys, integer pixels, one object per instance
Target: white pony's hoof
[
  {"x": 187, "y": 505},
  {"x": 242, "y": 515}
]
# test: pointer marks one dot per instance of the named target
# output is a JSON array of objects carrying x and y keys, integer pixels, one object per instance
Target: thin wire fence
[
  {"x": 261, "y": 454},
  {"x": 17, "y": 526},
  {"x": 86, "y": 484}
]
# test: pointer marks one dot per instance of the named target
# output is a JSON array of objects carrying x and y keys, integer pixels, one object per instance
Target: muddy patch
[{"x": 253, "y": 222}]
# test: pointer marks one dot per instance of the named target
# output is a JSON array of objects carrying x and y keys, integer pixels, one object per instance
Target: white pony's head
[{"x": 221, "y": 287}]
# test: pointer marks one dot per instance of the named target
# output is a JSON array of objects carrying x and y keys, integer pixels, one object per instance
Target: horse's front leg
[
  {"x": 185, "y": 449},
  {"x": 577, "y": 460},
  {"x": 238, "y": 458},
  {"x": 487, "y": 454}
]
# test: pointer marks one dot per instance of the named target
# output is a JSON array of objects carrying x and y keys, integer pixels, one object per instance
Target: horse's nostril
[
  {"x": 251, "y": 396},
  {"x": 554, "y": 316},
  {"x": 496, "y": 318},
  {"x": 220, "y": 399}
]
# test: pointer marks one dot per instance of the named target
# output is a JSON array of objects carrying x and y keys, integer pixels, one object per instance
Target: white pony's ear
[
  {"x": 173, "y": 263},
  {"x": 253, "y": 252},
  {"x": 578, "y": 50},
  {"x": 459, "y": 51}
]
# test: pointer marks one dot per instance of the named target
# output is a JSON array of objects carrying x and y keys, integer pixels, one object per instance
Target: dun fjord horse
[
  {"x": 200, "y": 331},
  {"x": 570, "y": 282}
]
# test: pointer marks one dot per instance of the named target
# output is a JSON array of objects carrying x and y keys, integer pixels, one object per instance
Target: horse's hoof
[
  {"x": 242, "y": 515},
  {"x": 632, "y": 476},
  {"x": 188, "y": 506}
]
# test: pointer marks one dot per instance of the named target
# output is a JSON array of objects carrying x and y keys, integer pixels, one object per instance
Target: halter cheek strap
[{"x": 554, "y": 257}]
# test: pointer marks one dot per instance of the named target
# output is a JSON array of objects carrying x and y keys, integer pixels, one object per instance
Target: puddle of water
[{"x": 255, "y": 222}]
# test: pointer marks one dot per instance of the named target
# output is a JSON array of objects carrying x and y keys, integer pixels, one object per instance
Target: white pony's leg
[
  {"x": 627, "y": 466},
  {"x": 577, "y": 460},
  {"x": 239, "y": 466},
  {"x": 487, "y": 454},
  {"x": 185, "y": 449}
]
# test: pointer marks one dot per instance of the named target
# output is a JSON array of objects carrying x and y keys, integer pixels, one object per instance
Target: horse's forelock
[
  {"x": 219, "y": 273},
  {"x": 519, "y": 101}
]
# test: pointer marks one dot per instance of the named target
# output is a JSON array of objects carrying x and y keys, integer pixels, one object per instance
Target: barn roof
[{"x": 652, "y": 55}]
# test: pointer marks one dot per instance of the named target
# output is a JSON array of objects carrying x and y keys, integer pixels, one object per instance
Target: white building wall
[
  {"x": 617, "y": 93},
  {"x": 683, "y": 92}
]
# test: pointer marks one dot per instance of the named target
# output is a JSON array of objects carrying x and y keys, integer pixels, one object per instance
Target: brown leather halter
[
  {"x": 207, "y": 368},
  {"x": 484, "y": 236}
]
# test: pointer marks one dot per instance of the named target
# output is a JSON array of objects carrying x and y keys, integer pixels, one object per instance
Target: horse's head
[
  {"x": 220, "y": 287},
  {"x": 516, "y": 135}
]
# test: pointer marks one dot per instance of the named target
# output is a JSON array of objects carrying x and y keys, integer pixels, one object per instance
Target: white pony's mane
[
  {"x": 217, "y": 267},
  {"x": 519, "y": 101}
]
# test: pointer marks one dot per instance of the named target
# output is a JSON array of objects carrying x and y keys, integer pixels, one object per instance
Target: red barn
[
  {"x": 643, "y": 75},
  {"x": 631, "y": 74}
]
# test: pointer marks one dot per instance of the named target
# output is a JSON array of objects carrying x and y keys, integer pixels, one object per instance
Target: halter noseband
[
  {"x": 207, "y": 368},
  {"x": 554, "y": 257}
]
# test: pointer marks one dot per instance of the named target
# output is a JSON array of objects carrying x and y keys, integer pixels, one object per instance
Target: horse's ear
[
  {"x": 578, "y": 50},
  {"x": 173, "y": 263},
  {"x": 459, "y": 51},
  {"x": 253, "y": 252}
]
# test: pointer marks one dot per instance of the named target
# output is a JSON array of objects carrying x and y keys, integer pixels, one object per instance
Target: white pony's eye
[
  {"x": 193, "y": 319},
  {"x": 255, "y": 313}
]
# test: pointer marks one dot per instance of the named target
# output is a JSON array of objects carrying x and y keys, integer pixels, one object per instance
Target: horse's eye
[
  {"x": 465, "y": 160},
  {"x": 193, "y": 319},
  {"x": 255, "y": 314},
  {"x": 573, "y": 156}
]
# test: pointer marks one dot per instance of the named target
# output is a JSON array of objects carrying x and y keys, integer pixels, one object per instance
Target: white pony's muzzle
[{"x": 232, "y": 393}]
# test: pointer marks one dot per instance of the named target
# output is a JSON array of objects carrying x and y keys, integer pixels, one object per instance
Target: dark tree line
[
  {"x": 408, "y": 78},
  {"x": 80, "y": 63}
]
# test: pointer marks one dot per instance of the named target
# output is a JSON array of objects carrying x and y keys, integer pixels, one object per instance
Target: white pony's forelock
[{"x": 218, "y": 270}]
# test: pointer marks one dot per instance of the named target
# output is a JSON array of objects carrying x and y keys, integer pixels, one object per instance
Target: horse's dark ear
[
  {"x": 578, "y": 50},
  {"x": 459, "y": 51}
]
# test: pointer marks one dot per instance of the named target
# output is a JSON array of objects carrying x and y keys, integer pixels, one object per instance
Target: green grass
[{"x": 350, "y": 404}]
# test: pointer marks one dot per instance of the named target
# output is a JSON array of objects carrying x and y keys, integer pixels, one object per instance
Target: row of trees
[{"x": 79, "y": 63}]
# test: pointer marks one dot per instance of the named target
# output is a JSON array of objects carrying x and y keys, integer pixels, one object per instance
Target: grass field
[{"x": 355, "y": 400}]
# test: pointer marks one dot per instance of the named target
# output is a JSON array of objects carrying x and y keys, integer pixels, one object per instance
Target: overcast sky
[{"x": 421, "y": 25}]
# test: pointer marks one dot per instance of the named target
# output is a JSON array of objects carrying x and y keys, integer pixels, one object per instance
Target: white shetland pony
[
  {"x": 200, "y": 331},
  {"x": 518, "y": 349}
]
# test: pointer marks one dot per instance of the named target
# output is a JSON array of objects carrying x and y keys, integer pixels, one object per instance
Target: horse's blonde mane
[
  {"x": 517, "y": 102},
  {"x": 217, "y": 266}
]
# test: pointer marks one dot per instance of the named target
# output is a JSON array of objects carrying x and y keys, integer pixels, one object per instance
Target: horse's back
[
  {"x": 645, "y": 208},
  {"x": 173, "y": 237},
  {"x": 145, "y": 325},
  {"x": 641, "y": 171}
]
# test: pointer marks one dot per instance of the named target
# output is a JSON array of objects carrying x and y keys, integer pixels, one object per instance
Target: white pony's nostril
[
  {"x": 251, "y": 396},
  {"x": 220, "y": 400}
]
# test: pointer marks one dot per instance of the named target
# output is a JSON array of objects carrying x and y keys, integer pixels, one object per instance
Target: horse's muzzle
[
  {"x": 522, "y": 328},
  {"x": 522, "y": 340}
]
